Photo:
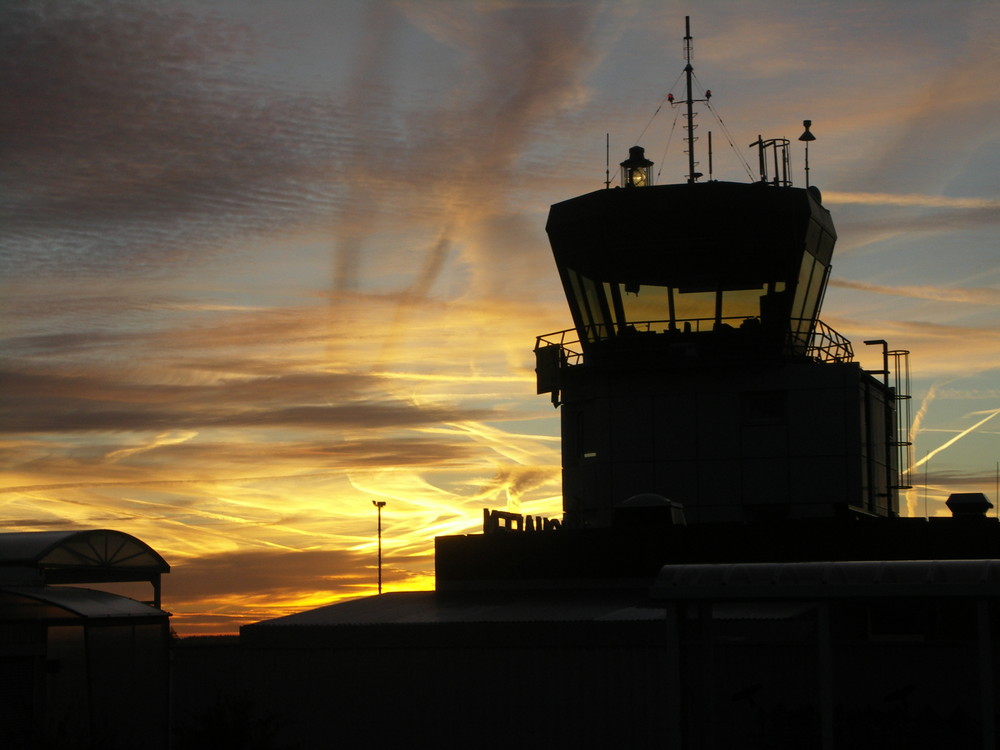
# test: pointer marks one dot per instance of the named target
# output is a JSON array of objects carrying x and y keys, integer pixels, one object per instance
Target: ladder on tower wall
[
  {"x": 900, "y": 372},
  {"x": 903, "y": 443}
]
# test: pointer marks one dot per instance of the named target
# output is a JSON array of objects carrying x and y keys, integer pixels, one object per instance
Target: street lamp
[{"x": 379, "y": 504}]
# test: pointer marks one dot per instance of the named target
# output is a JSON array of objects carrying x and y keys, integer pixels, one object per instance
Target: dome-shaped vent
[{"x": 648, "y": 509}]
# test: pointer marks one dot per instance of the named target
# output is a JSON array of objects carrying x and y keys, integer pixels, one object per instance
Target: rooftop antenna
[
  {"x": 607, "y": 161},
  {"x": 689, "y": 101},
  {"x": 709, "y": 155},
  {"x": 379, "y": 504}
]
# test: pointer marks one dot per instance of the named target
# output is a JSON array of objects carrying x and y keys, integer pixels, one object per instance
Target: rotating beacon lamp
[{"x": 636, "y": 169}]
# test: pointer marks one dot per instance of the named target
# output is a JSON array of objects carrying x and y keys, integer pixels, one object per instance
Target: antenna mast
[
  {"x": 688, "y": 70},
  {"x": 689, "y": 100},
  {"x": 607, "y": 161}
]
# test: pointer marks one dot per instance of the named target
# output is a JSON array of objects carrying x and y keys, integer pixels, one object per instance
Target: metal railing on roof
[{"x": 814, "y": 339}]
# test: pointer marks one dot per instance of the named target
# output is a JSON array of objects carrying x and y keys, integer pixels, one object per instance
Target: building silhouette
[
  {"x": 730, "y": 569},
  {"x": 81, "y": 667}
]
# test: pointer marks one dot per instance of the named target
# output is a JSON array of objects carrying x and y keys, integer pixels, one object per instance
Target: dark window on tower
[{"x": 763, "y": 407}]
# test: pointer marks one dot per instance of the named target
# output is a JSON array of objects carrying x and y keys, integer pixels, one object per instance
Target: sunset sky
[{"x": 262, "y": 263}]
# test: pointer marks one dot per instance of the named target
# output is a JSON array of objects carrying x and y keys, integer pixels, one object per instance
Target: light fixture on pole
[
  {"x": 379, "y": 504},
  {"x": 807, "y": 136}
]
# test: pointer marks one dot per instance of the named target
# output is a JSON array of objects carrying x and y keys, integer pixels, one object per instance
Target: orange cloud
[
  {"x": 981, "y": 296},
  {"x": 920, "y": 201}
]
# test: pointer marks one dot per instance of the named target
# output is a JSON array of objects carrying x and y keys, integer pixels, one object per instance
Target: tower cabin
[{"x": 698, "y": 370}]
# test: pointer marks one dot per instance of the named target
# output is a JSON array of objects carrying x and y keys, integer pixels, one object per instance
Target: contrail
[
  {"x": 980, "y": 296},
  {"x": 914, "y": 431},
  {"x": 173, "y": 437},
  {"x": 956, "y": 438},
  {"x": 165, "y": 482},
  {"x": 909, "y": 199}
]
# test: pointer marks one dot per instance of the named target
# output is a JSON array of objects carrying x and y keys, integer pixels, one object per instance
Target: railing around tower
[
  {"x": 824, "y": 344},
  {"x": 813, "y": 339}
]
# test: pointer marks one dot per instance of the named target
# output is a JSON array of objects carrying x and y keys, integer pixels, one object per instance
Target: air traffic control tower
[{"x": 698, "y": 371}]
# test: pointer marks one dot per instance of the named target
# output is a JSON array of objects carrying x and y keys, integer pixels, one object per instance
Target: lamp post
[{"x": 379, "y": 504}]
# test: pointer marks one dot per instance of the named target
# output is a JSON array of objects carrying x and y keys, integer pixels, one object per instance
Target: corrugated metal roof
[
  {"x": 770, "y": 610},
  {"x": 414, "y": 607},
  {"x": 829, "y": 579}
]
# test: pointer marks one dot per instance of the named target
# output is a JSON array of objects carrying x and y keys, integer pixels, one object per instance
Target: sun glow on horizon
[{"x": 304, "y": 281}]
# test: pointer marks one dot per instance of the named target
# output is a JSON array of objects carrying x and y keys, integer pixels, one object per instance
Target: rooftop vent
[
  {"x": 649, "y": 509},
  {"x": 968, "y": 504}
]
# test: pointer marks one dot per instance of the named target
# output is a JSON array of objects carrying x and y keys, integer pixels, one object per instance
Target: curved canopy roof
[
  {"x": 61, "y": 603},
  {"x": 92, "y": 556},
  {"x": 98, "y": 548}
]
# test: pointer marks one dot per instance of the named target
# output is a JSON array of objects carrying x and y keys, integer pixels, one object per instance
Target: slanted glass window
[
  {"x": 696, "y": 304},
  {"x": 605, "y": 308},
  {"x": 668, "y": 308},
  {"x": 808, "y": 291},
  {"x": 591, "y": 306},
  {"x": 646, "y": 303},
  {"x": 812, "y": 278},
  {"x": 742, "y": 303},
  {"x": 810, "y": 308}
]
